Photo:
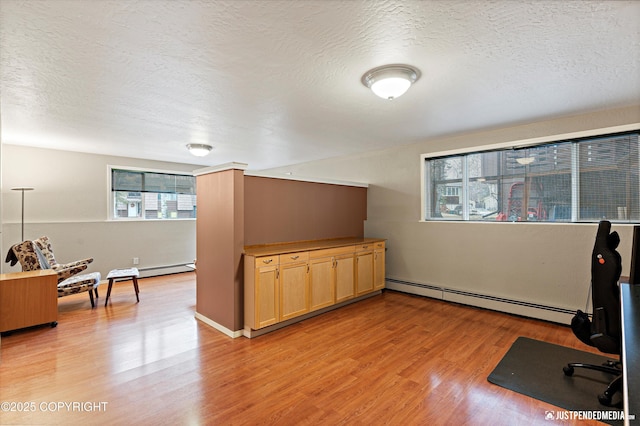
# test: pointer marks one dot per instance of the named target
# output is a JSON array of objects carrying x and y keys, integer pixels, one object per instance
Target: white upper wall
[
  {"x": 70, "y": 205},
  {"x": 396, "y": 171},
  {"x": 69, "y": 186}
]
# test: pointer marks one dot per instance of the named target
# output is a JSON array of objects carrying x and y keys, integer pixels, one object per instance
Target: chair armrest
[
  {"x": 83, "y": 262},
  {"x": 64, "y": 273}
]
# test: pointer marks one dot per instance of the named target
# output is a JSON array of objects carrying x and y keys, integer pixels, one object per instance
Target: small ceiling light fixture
[
  {"x": 391, "y": 81},
  {"x": 199, "y": 149},
  {"x": 525, "y": 160}
]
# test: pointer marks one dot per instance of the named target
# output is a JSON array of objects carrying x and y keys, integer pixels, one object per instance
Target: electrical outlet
[{"x": 136, "y": 260}]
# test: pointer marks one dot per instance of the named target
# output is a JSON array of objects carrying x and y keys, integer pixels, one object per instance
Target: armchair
[
  {"x": 604, "y": 331},
  {"x": 44, "y": 244},
  {"x": 32, "y": 258}
]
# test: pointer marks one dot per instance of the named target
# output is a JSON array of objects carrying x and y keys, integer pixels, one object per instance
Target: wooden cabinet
[
  {"x": 321, "y": 282},
  {"x": 262, "y": 300},
  {"x": 332, "y": 276},
  {"x": 378, "y": 265},
  {"x": 285, "y": 281},
  {"x": 28, "y": 299},
  {"x": 364, "y": 269},
  {"x": 294, "y": 285},
  {"x": 345, "y": 277}
]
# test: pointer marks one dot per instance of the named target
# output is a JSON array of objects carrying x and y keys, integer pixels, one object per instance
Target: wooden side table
[
  {"x": 28, "y": 299},
  {"x": 123, "y": 275}
]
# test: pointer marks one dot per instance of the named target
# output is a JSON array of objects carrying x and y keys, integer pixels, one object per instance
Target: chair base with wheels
[
  {"x": 604, "y": 329},
  {"x": 610, "y": 367}
]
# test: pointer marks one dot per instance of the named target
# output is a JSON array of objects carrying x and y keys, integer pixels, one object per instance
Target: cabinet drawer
[
  {"x": 266, "y": 261},
  {"x": 301, "y": 256},
  {"x": 370, "y": 246},
  {"x": 336, "y": 251}
]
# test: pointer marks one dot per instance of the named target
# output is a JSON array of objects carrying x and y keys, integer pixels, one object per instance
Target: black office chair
[{"x": 605, "y": 331}]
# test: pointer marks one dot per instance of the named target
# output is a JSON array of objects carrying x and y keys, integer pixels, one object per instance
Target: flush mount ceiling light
[
  {"x": 391, "y": 81},
  {"x": 199, "y": 149},
  {"x": 525, "y": 160}
]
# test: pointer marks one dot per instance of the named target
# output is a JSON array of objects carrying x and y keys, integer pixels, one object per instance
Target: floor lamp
[{"x": 22, "y": 189}]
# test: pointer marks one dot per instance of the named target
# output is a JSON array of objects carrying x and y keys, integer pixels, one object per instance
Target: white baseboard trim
[{"x": 220, "y": 328}]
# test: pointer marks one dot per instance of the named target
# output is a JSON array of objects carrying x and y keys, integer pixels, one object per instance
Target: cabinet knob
[
  {"x": 294, "y": 257},
  {"x": 268, "y": 260},
  {"x": 364, "y": 247}
]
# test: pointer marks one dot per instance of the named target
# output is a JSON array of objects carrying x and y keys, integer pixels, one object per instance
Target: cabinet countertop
[
  {"x": 280, "y": 248},
  {"x": 26, "y": 274}
]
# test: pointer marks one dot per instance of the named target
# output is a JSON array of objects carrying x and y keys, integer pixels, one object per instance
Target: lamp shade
[
  {"x": 390, "y": 81},
  {"x": 390, "y": 88},
  {"x": 199, "y": 149}
]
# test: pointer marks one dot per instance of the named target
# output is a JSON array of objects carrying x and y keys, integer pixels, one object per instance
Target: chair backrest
[
  {"x": 606, "y": 267},
  {"x": 44, "y": 244},
  {"x": 29, "y": 256}
]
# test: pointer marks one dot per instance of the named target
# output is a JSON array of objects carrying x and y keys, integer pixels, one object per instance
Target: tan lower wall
[
  {"x": 546, "y": 264},
  {"x": 113, "y": 244}
]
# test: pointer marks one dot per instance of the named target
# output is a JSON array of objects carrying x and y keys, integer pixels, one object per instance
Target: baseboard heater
[
  {"x": 445, "y": 290},
  {"x": 155, "y": 270}
]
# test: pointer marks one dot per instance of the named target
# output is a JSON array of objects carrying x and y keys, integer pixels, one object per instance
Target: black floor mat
[{"x": 534, "y": 368}]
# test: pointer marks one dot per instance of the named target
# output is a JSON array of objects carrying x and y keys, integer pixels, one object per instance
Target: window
[
  {"x": 581, "y": 180},
  {"x": 152, "y": 195}
]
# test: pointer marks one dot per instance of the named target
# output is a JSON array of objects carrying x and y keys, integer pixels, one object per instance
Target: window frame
[
  {"x": 111, "y": 199},
  {"x": 425, "y": 194}
]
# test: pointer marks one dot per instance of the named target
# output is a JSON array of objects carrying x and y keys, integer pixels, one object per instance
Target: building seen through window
[
  {"x": 567, "y": 181},
  {"x": 152, "y": 195}
]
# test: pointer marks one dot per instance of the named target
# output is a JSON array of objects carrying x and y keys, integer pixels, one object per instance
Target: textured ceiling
[{"x": 272, "y": 83}]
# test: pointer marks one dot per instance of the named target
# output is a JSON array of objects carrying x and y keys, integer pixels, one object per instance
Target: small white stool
[{"x": 123, "y": 275}]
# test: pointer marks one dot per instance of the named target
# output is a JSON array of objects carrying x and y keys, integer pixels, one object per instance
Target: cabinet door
[
  {"x": 364, "y": 272},
  {"x": 266, "y": 296},
  {"x": 344, "y": 276},
  {"x": 294, "y": 290},
  {"x": 378, "y": 269},
  {"x": 321, "y": 283}
]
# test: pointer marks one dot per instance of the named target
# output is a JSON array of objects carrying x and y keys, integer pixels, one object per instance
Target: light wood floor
[{"x": 392, "y": 359}]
